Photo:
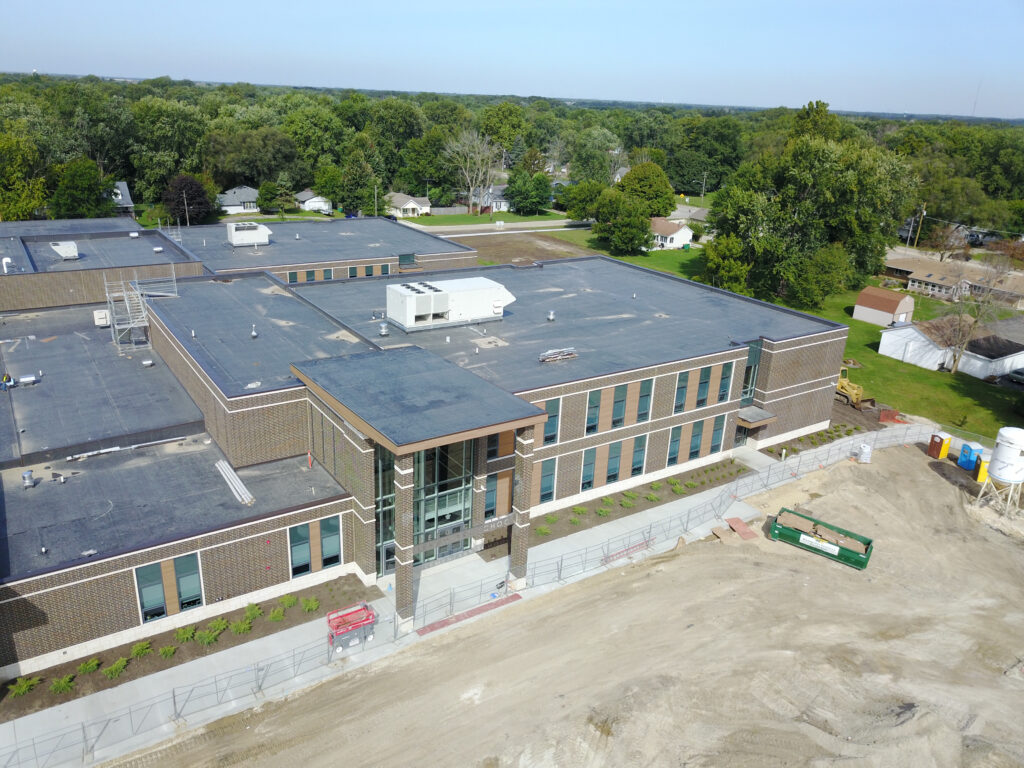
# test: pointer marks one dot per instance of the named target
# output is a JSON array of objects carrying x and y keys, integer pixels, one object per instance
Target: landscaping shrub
[
  {"x": 114, "y": 670},
  {"x": 651, "y": 497},
  {"x": 603, "y": 512},
  {"x": 574, "y": 521},
  {"x": 655, "y": 486},
  {"x": 310, "y": 604},
  {"x": 241, "y": 627},
  {"x": 607, "y": 501},
  {"x": 87, "y": 667},
  {"x": 631, "y": 495},
  {"x": 579, "y": 511},
  {"x": 690, "y": 484},
  {"x": 543, "y": 530},
  {"x": 678, "y": 490},
  {"x": 218, "y": 625},
  {"x": 252, "y": 612},
  {"x": 141, "y": 649},
  {"x": 206, "y": 637},
  {"x": 287, "y": 601},
  {"x": 167, "y": 651},
  {"x": 627, "y": 503},
  {"x": 551, "y": 518},
  {"x": 276, "y": 615},
  {"x": 184, "y": 634},
  {"x": 23, "y": 685},
  {"x": 64, "y": 684}
]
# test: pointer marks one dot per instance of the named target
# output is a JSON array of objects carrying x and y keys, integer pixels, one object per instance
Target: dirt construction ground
[{"x": 716, "y": 654}]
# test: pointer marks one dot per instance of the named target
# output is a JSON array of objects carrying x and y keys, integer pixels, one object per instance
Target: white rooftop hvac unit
[
  {"x": 66, "y": 249},
  {"x": 242, "y": 233},
  {"x": 421, "y": 305}
]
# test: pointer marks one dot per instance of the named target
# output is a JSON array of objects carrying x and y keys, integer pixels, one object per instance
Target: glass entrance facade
[
  {"x": 384, "y": 490},
  {"x": 442, "y": 498}
]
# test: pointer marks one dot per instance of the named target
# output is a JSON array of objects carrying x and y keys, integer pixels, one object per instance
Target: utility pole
[
  {"x": 919, "y": 223},
  {"x": 185, "y": 198}
]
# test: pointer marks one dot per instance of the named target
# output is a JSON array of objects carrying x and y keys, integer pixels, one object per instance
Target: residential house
[
  {"x": 404, "y": 206},
  {"x": 308, "y": 200},
  {"x": 238, "y": 200},
  {"x": 619, "y": 173},
  {"x": 932, "y": 345},
  {"x": 493, "y": 200},
  {"x": 122, "y": 199},
  {"x": 881, "y": 307},
  {"x": 952, "y": 279},
  {"x": 670, "y": 235}
]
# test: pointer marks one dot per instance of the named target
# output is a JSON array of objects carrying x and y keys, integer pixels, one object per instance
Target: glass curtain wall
[
  {"x": 442, "y": 497},
  {"x": 384, "y": 491}
]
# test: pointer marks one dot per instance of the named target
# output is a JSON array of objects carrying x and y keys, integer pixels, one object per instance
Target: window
[
  {"x": 681, "y": 382},
  {"x": 619, "y": 406},
  {"x": 639, "y": 451},
  {"x": 695, "y": 438},
  {"x": 547, "y": 480},
  {"x": 385, "y": 269},
  {"x": 353, "y": 271},
  {"x": 724, "y": 384},
  {"x": 368, "y": 270},
  {"x": 702, "y": 386},
  {"x": 750, "y": 373},
  {"x": 614, "y": 455},
  {"x": 293, "y": 277},
  {"x": 587, "y": 480},
  {"x": 716, "y": 433},
  {"x": 673, "y": 446},
  {"x": 593, "y": 411},
  {"x": 643, "y": 404},
  {"x": 330, "y": 541},
  {"x": 491, "y": 497},
  {"x": 151, "y": 592},
  {"x": 492, "y": 447},
  {"x": 551, "y": 425},
  {"x": 298, "y": 540},
  {"x": 328, "y": 274},
  {"x": 186, "y": 576},
  {"x": 310, "y": 275}
]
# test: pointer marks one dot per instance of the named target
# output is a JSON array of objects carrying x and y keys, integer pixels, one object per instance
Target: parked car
[{"x": 1016, "y": 376}]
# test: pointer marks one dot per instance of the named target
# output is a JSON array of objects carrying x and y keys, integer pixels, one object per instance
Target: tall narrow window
[
  {"x": 614, "y": 457},
  {"x": 330, "y": 541},
  {"x": 673, "y": 446},
  {"x": 491, "y": 497},
  {"x": 695, "y": 437},
  {"x": 702, "y": 386},
  {"x": 643, "y": 403},
  {"x": 547, "y": 480},
  {"x": 151, "y": 592},
  {"x": 587, "y": 479},
  {"x": 724, "y": 384},
  {"x": 492, "y": 447},
  {"x": 750, "y": 372},
  {"x": 298, "y": 540},
  {"x": 619, "y": 406},
  {"x": 186, "y": 575},
  {"x": 716, "y": 433},
  {"x": 639, "y": 450},
  {"x": 368, "y": 270},
  {"x": 551, "y": 425},
  {"x": 593, "y": 411},
  {"x": 681, "y": 382}
]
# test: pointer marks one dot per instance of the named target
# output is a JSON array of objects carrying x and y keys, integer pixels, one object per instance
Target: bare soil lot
[
  {"x": 716, "y": 654},
  {"x": 522, "y": 248}
]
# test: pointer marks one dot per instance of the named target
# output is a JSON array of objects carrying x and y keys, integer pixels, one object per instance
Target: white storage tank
[{"x": 1007, "y": 464}]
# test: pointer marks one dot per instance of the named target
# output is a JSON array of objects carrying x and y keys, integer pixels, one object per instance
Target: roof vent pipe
[
  {"x": 253, "y": 333},
  {"x": 551, "y": 315},
  {"x": 26, "y": 479},
  {"x": 384, "y": 329}
]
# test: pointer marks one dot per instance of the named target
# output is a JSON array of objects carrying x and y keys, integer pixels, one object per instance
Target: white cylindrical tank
[{"x": 1007, "y": 464}]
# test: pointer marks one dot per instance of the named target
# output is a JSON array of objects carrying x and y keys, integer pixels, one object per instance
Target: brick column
[
  {"x": 479, "y": 488},
  {"x": 357, "y": 476},
  {"x": 521, "y": 492},
  {"x": 404, "y": 596}
]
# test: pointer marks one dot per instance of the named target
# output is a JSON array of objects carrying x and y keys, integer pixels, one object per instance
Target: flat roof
[
  {"x": 68, "y": 226},
  {"x": 104, "y": 251},
  {"x": 410, "y": 396},
  {"x": 128, "y": 500},
  {"x": 617, "y": 316},
  {"x": 87, "y": 396},
  {"x": 318, "y": 242},
  {"x": 222, "y": 311}
]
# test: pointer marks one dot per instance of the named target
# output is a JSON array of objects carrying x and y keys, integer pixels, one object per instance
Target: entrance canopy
[{"x": 751, "y": 417}]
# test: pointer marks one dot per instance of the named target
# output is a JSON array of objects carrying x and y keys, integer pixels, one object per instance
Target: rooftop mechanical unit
[
  {"x": 243, "y": 233},
  {"x": 438, "y": 303},
  {"x": 66, "y": 249}
]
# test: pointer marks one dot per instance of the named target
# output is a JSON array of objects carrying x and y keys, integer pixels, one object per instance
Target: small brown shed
[{"x": 882, "y": 307}]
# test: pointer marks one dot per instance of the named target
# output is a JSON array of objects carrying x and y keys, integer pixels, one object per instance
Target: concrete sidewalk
[{"x": 143, "y": 712}]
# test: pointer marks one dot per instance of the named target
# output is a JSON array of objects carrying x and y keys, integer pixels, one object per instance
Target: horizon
[{"x": 903, "y": 60}]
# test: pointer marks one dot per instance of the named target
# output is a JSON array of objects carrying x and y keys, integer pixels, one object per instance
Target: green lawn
[
  {"x": 697, "y": 200},
  {"x": 957, "y": 400},
  {"x": 486, "y": 218},
  {"x": 683, "y": 263}
]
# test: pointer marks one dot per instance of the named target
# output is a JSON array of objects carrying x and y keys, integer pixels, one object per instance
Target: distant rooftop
[
  {"x": 128, "y": 500},
  {"x": 595, "y": 312},
  {"x": 222, "y": 312},
  {"x": 100, "y": 251},
  {"x": 318, "y": 241},
  {"x": 67, "y": 226}
]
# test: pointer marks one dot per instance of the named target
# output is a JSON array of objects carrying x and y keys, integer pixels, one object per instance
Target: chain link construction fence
[{"x": 101, "y": 739}]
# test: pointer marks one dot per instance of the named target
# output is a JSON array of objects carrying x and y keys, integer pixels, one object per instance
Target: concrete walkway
[{"x": 143, "y": 712}]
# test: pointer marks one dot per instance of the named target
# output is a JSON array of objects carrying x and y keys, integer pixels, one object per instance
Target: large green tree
[
  {"x": 82, "y": 193},
  {"x": 21, "y": 194},
  {"x": 619, "y": 220},
  {"x": 528, "y": 194},
  {"x": 648, "y": 186},
  {"x": 590, "y": 158},
  {"x": 502, "y": 123},
  {"x": 187, "y": 199},
  {"x": 578, "y": 200},
  {"x": 360, "y": 187},
  {"x": 723, "y": 264}
]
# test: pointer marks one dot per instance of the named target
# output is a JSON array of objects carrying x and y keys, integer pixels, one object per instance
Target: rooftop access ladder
[{"x": 129, "y": 317}]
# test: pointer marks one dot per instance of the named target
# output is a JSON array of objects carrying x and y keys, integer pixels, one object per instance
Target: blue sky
[{"x": 897, "y": 56}]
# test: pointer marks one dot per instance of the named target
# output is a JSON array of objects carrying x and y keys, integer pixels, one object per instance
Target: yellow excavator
[{"x": 850, "y": 393}]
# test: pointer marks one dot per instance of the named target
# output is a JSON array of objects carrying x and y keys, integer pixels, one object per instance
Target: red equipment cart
[{"x": 350, "y": 626}]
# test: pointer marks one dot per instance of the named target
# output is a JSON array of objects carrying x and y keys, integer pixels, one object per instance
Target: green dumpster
[
  {"x": 686, "y": 246},
  {"x": 822, "y": 538}
]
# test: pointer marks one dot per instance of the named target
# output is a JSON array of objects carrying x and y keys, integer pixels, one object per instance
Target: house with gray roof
[
  {"x": 238, "y": 200},
  {"x": 122, "y": 199},
  {"x": 308, "y": 200},
  {"x": 403, "y": 205}
]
